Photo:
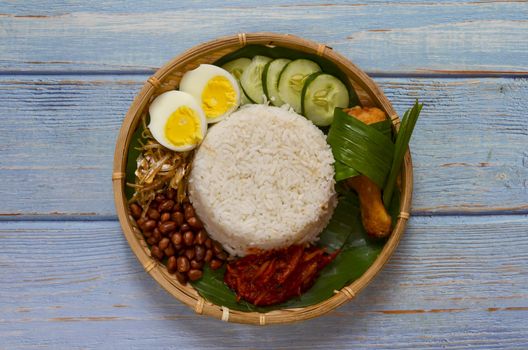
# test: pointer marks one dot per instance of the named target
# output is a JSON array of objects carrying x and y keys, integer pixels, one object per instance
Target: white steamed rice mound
[{"x": 263, "y": 178}]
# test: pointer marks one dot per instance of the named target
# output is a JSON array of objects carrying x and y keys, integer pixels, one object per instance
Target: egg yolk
[
  {"x": 183, "y": 127},
  {"x": 218, "y": 96}
]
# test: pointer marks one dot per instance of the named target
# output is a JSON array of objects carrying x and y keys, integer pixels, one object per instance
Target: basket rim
[{"x": 187, "y": 294}]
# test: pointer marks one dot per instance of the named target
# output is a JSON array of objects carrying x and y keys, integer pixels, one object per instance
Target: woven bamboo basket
[{"x": 167, "y": 78}]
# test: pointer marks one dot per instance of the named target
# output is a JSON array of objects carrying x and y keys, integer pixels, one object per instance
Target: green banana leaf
[
  {"x": 343, "y": 171},
  {"x": 361, "y": 147},
  {"x": 327, "y": 66},
  {"x": 340, "y": 227},
  {"x": 131, "y": 164},
  {"x": 402, "y": 143},
  {"x": 385, "y": 127}
]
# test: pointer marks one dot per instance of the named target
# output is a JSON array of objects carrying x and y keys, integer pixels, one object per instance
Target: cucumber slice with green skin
[
  {"x": 244, "y": 100},
  {"x": 251, "y": 79},
  {"x": 292, "y": 79},
  {"x": 236, "y": 68},
  {"x": 270, "y": 80},
  {"x": 321, "y": 94}
]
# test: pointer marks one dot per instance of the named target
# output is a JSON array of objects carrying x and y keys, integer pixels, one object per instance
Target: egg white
[
  {"x": 194, "y": 82},
  {"x": 161, "y": 109}
]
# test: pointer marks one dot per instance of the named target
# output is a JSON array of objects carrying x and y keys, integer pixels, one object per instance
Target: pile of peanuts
[{"x": 174, "y": 232}]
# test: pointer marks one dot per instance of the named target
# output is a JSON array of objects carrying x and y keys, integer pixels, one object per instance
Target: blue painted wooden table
[{"x": 68, "y": 72}]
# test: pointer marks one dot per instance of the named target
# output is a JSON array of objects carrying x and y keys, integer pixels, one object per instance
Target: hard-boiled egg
[
  {"x": 177, "y": 121},
  {"x": 214, "y": 88}
]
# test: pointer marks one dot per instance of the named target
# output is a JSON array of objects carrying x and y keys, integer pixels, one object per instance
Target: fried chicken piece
[
  {"x": 368, "y": 115},
  {"x": 376, "y": 221}
]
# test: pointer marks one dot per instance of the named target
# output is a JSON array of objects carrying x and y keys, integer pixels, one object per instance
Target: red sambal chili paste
[{"x": 272, "y": 277}]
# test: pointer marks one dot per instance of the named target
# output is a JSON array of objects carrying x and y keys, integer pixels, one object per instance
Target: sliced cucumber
[
  {"x": 251, "y": 79},
  {"x": 244, "y": 100},
  {"x": 321, "y": 94},
  {"x": 236, "y": 68},
  {"x": 270, "y": 80},
  {"x": 292, "y": 79}
]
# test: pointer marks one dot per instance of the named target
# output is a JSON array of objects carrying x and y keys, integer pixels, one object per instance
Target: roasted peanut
[
  {"x": 199, "y": 252},
  {"x": 185, "y": 228},
  {"x": 172, "y": 230},
  {"x": 135, "y": 210},
  {"x": 182, "y": 277},
  {"x": 183, "y": 264},
  {"x": 165, "y": 217},
  {"x": 171, "y": 264},
  {"x": 153, "y": 214},
  {"x": 167, "y": 226},
  {"x": 201, "y": 237},
  {"x": 164, "y": 243},
  {"x": 166, "y": 205},
  {"x": 149, "y": 225},
  {"x": 177, "y": 217},
  {"x": 169, "y": 251},
  {"x": 208, "y": 255},
  {"x": 195, "y": 223},
  {"x": 188, "y": 238},
  {"x": 194, "y": 274},
  {"x": 189, "y": 212},
  {"x": 156, "y": 252},
  {"x": 196, "y": 264},
  {"x": 190, "y": 253},
  {"x": 215, "y": 264},
  {"x": 177, "y": 238}
]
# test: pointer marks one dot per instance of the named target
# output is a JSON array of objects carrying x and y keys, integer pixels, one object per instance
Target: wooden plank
[
  {"x": 451, "y": 37},
  {"x": 52, "y": 8},
  {"x": 469, "y": 144},
  {"x": 58, "y": 137},
  {"x": 454, "y": 282}
]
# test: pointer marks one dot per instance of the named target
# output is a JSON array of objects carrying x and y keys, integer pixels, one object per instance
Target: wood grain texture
[
  {"x": 396, "y": 37},
  {"x": 50, "y": 8},
  {"x": 454, "y": 282},
  {"x": 58, "y": 137}
]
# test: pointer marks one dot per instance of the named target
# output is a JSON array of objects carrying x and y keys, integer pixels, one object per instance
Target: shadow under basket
[{"x": 168, "y": 78}]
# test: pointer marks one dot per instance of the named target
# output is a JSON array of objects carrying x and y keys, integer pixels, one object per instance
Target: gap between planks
[
  {"x": 96, "y": 217},
  {"x": 333, "y": 313},
  {"x": 419, "y": 73}
]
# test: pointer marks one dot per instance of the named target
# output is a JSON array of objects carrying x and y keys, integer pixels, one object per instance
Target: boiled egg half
[
  {"x": 215, "y": 89},
  {"x": 177, "y": 121}
]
